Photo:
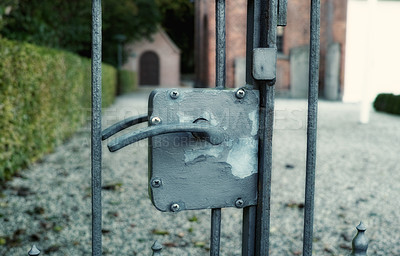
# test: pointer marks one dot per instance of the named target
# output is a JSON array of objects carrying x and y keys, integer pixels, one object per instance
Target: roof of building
[{"x": 169, "y": 40}]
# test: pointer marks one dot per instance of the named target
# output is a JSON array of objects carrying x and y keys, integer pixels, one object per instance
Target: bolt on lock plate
[{"x": 194, "y": 172}]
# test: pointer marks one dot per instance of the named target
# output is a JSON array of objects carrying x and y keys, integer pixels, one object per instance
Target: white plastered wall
[{"x": 372, "y": 49}]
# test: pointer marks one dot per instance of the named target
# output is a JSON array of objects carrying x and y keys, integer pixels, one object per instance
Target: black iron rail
[
  {"x": 265, "y": 16},
  {"x": 96, "y": 128},
  {"x": 220, "y": 79},
  {"x": 312, "y": 126},
  {"x": 220, "y": 67},
  {"x": 249, "y": 213}
]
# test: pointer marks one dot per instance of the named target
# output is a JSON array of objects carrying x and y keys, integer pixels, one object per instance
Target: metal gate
[{"x": 263, "y": 17}]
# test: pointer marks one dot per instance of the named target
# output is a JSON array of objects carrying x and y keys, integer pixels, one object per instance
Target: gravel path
[{"x": 358, "y": 176}]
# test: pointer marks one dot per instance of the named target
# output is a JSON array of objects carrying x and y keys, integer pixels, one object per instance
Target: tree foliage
[
  {"x": 177, "y": 19},
  {"x": 67, "y": 24},
  {"x": 133, "y": 18}
]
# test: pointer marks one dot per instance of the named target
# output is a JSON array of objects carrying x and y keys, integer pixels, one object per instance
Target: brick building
[
  {"x": 294, "y": 35},
  {"x": 156, "y": 61}
]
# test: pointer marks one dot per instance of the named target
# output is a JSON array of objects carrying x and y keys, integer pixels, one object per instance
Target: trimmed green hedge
[
  {"x": 387, "y": 102},
  {"x": 126, "y": 81},
  {"x": 44, "y": 98}
]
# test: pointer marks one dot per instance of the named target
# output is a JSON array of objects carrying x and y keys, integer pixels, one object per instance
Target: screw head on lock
[
  {"x": 239, "y": 203},
  {"x": 156, "y": 183},
  {"x": 175, "y": 207},
  {"x": 155, "y": 120},
  {"x": 240, "y": 93},
  {"x": 174, "y": 94}
]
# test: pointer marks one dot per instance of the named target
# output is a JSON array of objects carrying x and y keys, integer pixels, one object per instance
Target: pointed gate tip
[
  {"x": 34, "y": 251},
  {"x": 360, "y": 242},
  {"x": 156, "y": 246},
  {"x": 361, "y": 227}
]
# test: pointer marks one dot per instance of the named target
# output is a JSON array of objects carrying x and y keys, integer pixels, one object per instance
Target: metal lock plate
[{"x": 187, "y": 173}]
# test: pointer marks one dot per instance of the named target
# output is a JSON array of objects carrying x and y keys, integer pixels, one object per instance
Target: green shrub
[
  {"x": 387, "y": 102},
  {"x": 44, "y": 98},
  {"x": 126, "y": 81}
]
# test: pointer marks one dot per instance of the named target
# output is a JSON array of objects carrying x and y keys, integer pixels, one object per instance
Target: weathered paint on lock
[{"x": 195, "y": 173}]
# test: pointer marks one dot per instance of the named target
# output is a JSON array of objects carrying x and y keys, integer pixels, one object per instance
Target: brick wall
[
  {"x": 236, "y": 12},
  {"x": 235, "y": 39},
  {"x": 296, "y": 33}
]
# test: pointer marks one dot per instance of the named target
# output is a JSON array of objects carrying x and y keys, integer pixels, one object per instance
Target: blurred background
[
  {"x": 45, "y": 50},
  {"x": 172, "y": 43}
]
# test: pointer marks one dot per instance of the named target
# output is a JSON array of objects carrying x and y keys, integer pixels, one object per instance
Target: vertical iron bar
[
  {"x": 96, "y": 128},
  {"x": 215, "y": 232},
  {"x": 249, "y": 231},
  {"x": 265, "y": 166},
  {"x": 265, "y": 18},
  {"x": 311, "y": 127},
  {"x": 249, "y": 213},
  {"x": 282, "y": 12},
  {"x": 221, "y": 42},
  {"x": 271, "y": 25},
  {"x": 220, "y": 71},
  {"x": 249, "y": 42}
]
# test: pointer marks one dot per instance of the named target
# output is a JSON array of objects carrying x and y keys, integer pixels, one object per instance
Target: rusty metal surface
[{"x": 196, "y": 174}]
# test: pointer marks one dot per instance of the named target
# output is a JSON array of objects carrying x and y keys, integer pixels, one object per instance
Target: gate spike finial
[
  {"x": 157, "y": 247},
  {"x": 34, "y": 251},
  {"x": 360, "y": 242}
]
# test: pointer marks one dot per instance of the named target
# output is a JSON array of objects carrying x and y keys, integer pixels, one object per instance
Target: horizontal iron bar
[{"x": 121, "y": 125}]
